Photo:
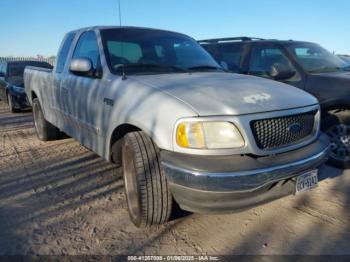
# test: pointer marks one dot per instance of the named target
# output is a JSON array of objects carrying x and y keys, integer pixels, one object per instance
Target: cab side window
[
  {"x": 87, "y": 47},
  {"x": 263, "y": 58},
  {"x": 63, "y": 54}
]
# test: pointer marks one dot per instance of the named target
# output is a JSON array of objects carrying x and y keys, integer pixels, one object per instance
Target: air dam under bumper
[{"x": 217, "y": 184}]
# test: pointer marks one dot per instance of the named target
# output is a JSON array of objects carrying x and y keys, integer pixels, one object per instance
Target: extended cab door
[
  {"x": 58, "y": 102},
  {"x": 84, "y": 93},
  {"x": 264, "y": 55}
]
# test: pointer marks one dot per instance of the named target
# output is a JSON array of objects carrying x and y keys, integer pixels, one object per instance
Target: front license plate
[{"x": 307, "y": 181}]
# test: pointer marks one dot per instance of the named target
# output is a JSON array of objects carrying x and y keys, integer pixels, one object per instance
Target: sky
[{"x": 33, "y": 27}]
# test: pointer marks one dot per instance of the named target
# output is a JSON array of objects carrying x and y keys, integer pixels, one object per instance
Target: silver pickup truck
[{"x": 183, "y": 130}]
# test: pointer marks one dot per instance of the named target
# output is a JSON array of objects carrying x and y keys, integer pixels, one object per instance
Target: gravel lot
[{"x": 60, "y": 198}]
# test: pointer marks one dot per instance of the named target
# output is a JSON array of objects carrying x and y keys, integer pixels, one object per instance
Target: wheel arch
[
  {"x": 334, "y": 113},
  {"x": 118, "y": 133},
  {"x": 33, "y": 95},
  {"x": 339, "y": 105}
]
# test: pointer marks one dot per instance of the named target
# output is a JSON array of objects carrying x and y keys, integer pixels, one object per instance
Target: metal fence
[{"x": 50, "y": 60}]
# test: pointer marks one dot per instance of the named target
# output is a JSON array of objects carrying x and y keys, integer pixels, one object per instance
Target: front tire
[
  {"x": 338, "y": 130},
  {"x": 45, "y": 130},
  {"x": 148, "y": 197}
]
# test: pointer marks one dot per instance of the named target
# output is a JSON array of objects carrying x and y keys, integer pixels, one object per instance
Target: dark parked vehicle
[
  {"x": 11, "y": 83},
  {"x": 345, "y": 58},
  {"x": 302, "y": 64}
]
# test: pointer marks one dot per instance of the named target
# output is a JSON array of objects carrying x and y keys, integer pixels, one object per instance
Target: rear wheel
[
  {"x": 148, "y": 197},
  {"x": 11, "y": 105},
  {"x": 45, "y": 130}
]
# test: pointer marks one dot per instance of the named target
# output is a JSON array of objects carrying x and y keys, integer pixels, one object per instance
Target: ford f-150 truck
[{"x": 182, "y": 128}]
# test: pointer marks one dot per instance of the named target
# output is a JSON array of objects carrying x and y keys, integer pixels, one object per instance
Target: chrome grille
[{"x": 283, "y": 131}]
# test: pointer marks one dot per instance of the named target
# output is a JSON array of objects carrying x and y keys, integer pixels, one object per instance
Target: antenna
[
  {"x": 122, "y": 44},
  {"x": 120, "y": 14}
]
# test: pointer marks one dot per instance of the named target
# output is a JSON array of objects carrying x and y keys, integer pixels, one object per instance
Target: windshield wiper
[
  {"x": 154, "y": 66},
  {"x": 205, "y": 67}
]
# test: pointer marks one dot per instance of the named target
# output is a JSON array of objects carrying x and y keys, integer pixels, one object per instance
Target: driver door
[{"x": 84, "y": 93}]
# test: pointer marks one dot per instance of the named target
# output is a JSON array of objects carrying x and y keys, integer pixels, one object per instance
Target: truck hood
[{"x": 228, "y": 94}]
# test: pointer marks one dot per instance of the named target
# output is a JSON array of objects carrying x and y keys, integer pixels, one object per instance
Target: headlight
[
  {"x": 18, "y": 89},
  {"x": 208, "y": 135}
]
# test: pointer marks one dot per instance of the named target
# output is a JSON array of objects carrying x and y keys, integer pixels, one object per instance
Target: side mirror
[
  {"x": 281, "y": 71},
  {"x": 81, "y": 66}
]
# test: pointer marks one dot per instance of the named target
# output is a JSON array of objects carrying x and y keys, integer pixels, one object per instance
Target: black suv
[
  {"x": 11, "y": 83},
  {"x": 304, "y": 65}
]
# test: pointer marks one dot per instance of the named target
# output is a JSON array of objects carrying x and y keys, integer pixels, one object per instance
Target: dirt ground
[{"x": 59, "y": 198}]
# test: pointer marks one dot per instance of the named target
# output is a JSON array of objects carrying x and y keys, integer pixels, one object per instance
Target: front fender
[{"x": 151, "y": 111}]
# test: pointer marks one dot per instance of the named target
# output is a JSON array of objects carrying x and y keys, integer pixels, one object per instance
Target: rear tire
[
  {"x": 148, "y": 197},
  {"x": 44, "y": 130},
  {"x": 10, "y": 103}
]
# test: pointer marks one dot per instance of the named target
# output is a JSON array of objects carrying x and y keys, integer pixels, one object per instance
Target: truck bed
[{"x": 36, "y": 79}]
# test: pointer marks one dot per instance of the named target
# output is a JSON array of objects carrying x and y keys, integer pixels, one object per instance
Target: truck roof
[{"x": 118, "y": 27}]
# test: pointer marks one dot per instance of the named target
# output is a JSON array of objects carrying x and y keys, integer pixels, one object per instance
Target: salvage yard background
[
  {"x": 60, "y": 198},
  {"x": 50, "y": 60}
]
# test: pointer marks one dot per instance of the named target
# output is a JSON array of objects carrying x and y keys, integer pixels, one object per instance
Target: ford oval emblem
[{"x": 294, "y": 128}]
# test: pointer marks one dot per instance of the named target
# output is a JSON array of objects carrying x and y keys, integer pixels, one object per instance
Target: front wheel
[
  {"x": 339, "y": 136},
  {"x": 45, "y": 130},
  {"x": 337, "y": 127},
  {"x": 148, "y": 197}
]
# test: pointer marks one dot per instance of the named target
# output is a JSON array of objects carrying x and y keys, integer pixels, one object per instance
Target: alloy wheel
[{"x": 339, "y": 136}]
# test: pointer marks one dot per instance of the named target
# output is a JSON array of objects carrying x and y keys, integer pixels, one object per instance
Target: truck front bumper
[{"x": 216, "y": 184}]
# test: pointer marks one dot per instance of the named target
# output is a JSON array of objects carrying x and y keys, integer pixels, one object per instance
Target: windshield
[
  {"x": 145, "y": 51},
  {"x": 315, "y": 59}
]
